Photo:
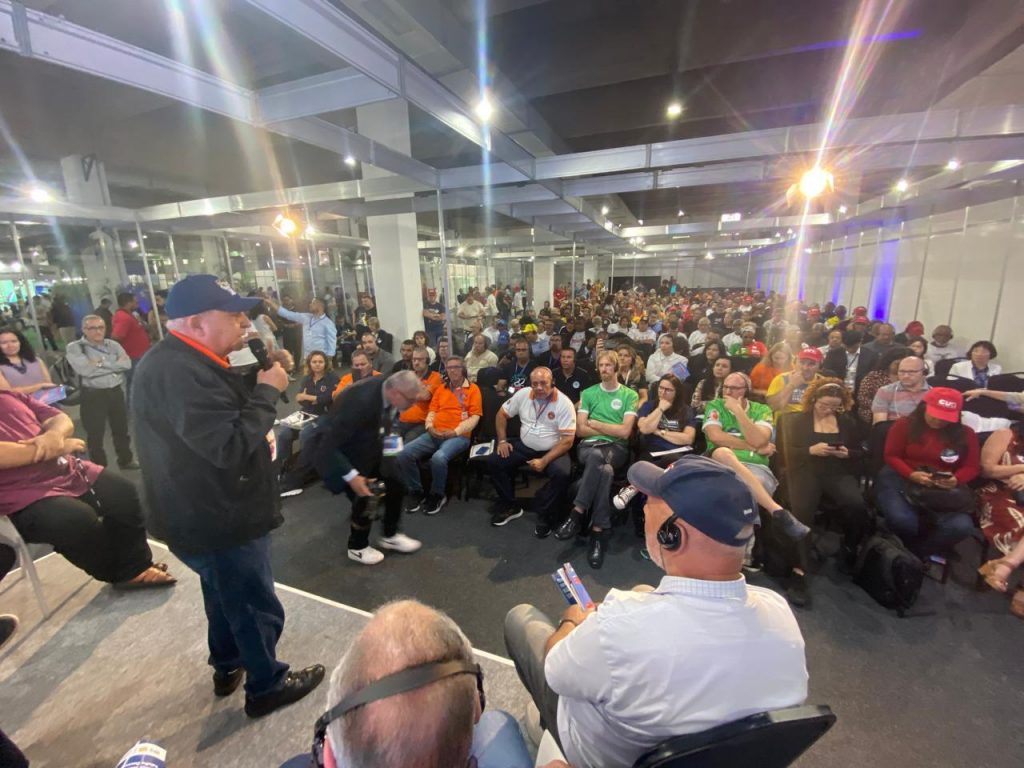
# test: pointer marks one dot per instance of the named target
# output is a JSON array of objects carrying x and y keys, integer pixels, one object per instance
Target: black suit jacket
[
  {"x": 835, "y": 365},
  {"x": 349, "y": 437}
]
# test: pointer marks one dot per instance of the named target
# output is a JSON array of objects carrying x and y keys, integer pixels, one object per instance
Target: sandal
[
  {"x": 992, "y": 578},
  {"x": 161, "y": 579},
  {"x": 1017, "y": 604}
]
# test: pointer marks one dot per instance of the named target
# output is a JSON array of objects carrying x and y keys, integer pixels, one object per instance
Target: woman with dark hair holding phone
[
  {"x": 930, "y": 458},
  {"x": 815, "y": 446},
  {"x": 1002, "y": 509},
  {"x": 666, "y": 424},
  {"x": 20, "y": 369}
]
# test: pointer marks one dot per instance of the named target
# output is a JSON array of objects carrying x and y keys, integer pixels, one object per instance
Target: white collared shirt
[
  {"x": 541, "y": 424},
  {"x": 689, "y": 656}
]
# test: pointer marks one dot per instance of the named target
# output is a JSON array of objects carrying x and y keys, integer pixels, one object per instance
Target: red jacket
[
  {"x": 129, "y": 332},
  {"x": 905, "y": 456}
]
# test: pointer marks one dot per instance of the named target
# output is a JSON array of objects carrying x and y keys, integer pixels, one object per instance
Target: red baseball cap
[
  {"x": 943, "y": 403},
  {"x": 811, "y": 353}
]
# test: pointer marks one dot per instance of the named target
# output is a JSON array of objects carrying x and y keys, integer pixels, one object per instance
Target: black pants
[
  {"x": 10, "y": 755},
  {"x": 365, "y": 509},
  {"x": 545, "y": 502},
  {"x": 48, "y": 339},
  {"x": 806, "y": 489},
  {"x": 101, "y": 531},
  {"x": 100, "y": 406}
]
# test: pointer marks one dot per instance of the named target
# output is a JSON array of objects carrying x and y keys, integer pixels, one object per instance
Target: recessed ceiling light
[
  {"x": 604, "y": 210},
  {"x": 39, "y": 195},
  {"x": 681, "y": 213},
  {"x": 608, "y": 225},
  {"x": 478, "y": 252},
  {"x": 842, "y": 209},
  {"x": 902, "y": 185},
  {"x": 675, "y": 109},
  {"x": 484, "y": 108},
  {"x": 640, "y": 222},
  {"x": 953, "y": 164},
  {"x": 814, "y": 182},
  {"x": 709, "y": 256},
  {"x": 350, "y": 161}
]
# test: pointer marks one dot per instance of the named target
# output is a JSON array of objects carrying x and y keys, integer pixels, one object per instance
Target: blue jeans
[
  {"x": 244, "y": 617},
  {"x": 441, "y": 452},
  {"x": 924, "y": 535}
]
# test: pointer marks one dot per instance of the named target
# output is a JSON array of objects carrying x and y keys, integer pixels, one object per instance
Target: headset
[
  {"x": 670, "y": 535},
  {"x": 391, "y": 685}
]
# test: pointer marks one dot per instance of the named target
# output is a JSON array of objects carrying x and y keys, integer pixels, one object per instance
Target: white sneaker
[
  {"x": 366, "y": 555},
  {"x": 623, "y": 497},
  {"x": 399, "y": 543}
]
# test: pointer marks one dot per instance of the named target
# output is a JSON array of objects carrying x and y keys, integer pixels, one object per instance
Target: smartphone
[
  {"x": 943, "y": 475},
  {"x": 51, "y": 395}
]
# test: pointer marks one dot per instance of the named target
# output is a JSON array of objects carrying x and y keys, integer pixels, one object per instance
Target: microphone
[{"x": 259, "y": 351}]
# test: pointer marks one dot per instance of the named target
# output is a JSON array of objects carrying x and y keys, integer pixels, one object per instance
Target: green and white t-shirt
[
  {"x": 609, "y": 407},
  {"x": 716, "y": 413}
]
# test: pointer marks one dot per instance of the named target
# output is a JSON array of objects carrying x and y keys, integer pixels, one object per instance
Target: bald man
[{"x": 705, "y": 647}]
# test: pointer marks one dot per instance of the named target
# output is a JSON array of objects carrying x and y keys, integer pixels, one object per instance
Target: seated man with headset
[
  {"x": 409, "y": 693},
  {"x": 699, "y": 650}
]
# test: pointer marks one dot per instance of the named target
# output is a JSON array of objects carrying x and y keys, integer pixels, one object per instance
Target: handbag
[{"x": 939, "y": 501}]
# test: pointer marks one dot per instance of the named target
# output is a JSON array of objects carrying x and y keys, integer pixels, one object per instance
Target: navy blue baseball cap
[
  {"x": 201, "y": 293},
  {"x": 704, "y": 493}
]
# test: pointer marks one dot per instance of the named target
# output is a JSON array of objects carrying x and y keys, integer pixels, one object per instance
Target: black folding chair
[{"x": 768, "y": 740}]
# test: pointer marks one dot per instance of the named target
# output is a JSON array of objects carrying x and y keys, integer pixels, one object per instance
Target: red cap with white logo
[{"x": 943, "y": 403}]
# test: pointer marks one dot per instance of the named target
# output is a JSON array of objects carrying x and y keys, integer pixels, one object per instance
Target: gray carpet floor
[{"x": 110, "y": 668}]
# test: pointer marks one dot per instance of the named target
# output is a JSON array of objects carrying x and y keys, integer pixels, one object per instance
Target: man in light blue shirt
[{"x": 319, "y": 334}]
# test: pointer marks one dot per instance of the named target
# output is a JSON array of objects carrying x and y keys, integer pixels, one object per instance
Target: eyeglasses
[
  {"x": 94, "y": 328},
  {"x": 669, "y": 390},
  {"x": 733, "y": 388}
]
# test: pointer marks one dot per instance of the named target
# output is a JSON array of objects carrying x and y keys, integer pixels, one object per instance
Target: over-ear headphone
[
  {"x": 670, "y": 535},
  {"x": 392, "y": 685}
]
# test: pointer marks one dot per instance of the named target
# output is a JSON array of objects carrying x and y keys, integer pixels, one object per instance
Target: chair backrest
[
  {"x": 768, "y": 740},
  {"x": 942, "y": 367}
]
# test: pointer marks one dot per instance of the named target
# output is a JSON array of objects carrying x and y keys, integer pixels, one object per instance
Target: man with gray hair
[
  {"x": 409, "y": 694},
  {"x": 354, "y": 445},
  {"x": 102, "y": 364}
]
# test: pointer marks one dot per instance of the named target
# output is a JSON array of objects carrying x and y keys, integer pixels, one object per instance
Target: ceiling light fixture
[
  {"x": 902, "y": 185},
  {"x": 640, "y": 222},
  {"x": 815, "y": 182},
  {"x": 674, "y": 110},
  {"x": 842, "y": 209},
  {"x": 709, "y": 256},
  {"x": 310, "y": 230},
  {"x": 285, "y": 226},
  {"x": 608, "y": 225},
  {"x": 484, "y": 108},
  {"x": 478, "y": 252},
  {"x": 39, "y": 195},
  {"x": 953, "y": 164},
  {"x": 604, "y": 210},
  {"x": 459, "y": 251},
  {"x": 681, "y": 213},
  {"x": 350, "y": 161}
]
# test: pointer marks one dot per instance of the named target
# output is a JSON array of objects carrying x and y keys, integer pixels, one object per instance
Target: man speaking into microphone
[{"x": 205, "y": 445}]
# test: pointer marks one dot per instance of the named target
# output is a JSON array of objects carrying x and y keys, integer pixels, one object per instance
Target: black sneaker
[
  {"x": 505, "y": 516},
  {"x": 542, "y": 530},
  {"x": 796, "y": 591},
  {"x": 790, "y": 526},
  {"x": 295, "y": 686},
  {"x": 433, "y": 504},
  {"x": 572, "y": 526},
  {"x": 225, "y": 683},
  {"x": 415, "y": 503}
]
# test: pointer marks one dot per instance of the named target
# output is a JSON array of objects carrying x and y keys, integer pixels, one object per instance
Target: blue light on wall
[
  {"x": 885, "y": 276},
  {"x": 837, "y": 282}
]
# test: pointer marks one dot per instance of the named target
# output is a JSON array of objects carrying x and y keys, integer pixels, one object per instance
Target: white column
[
  {"x": 85, "y": 181},
  {"x": 543, "y": 282},
  {"x": 396, "y": 260}
]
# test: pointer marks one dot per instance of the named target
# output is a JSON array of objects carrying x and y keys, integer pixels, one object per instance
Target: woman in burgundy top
[
  {"x": 930, "y": 458},
  {"x": 87, "y": 513}
]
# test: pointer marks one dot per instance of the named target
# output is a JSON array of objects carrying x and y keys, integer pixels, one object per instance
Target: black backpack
[
  {"x": 63, "y": 373},
  {"x": 889, "y": 572}
]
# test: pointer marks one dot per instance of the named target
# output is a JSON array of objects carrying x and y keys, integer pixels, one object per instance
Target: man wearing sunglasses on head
[{"x": 408, "y": 692}]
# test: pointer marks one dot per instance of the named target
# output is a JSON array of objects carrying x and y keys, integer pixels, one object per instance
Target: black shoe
[
  {"x": 434, "y": 504},
  {"x": 789, "y": 525},
  {"x": 129, "y": 465},
  {"x": 572, "y": 525},
  {"x": 415, "y": 503},
  {"x": 598, "y": 549},
  {"x": 796, "y": 591},
  {"x": 295, "y": 686},
  {"x": 505, "y": 516},
  {"x": 225, "y": 683},
  {"x": 8, "y": 626},
  {"x": 542, "y": 530}
]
